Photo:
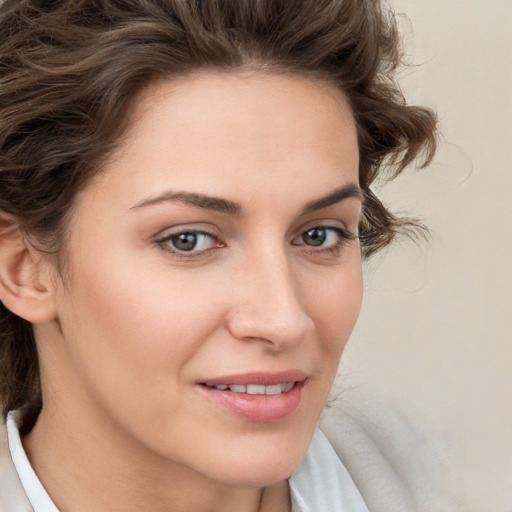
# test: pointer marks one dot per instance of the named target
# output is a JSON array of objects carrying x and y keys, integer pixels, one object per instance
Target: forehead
[
  {"x": 251, "y": 104},
  {"x": 241, "y": 130}
]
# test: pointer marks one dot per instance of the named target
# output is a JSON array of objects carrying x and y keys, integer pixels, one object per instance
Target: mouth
[
  {"x": 257, "y": 397},
  {"x": 254, "y": 389}
]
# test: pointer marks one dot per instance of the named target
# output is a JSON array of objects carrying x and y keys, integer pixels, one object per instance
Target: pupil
[
  {"x": 185, "y": 241},
  {"x": 315, "y": 237}
]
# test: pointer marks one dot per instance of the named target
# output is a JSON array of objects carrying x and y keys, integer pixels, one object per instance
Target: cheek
[
  {"x": 132, "y": 332},
  {"x": 335, "y": 306}
]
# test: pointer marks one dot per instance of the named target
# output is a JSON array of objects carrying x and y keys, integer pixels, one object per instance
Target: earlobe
[{"x": 24, "y": 288}]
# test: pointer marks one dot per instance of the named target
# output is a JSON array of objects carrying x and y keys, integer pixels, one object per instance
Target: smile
[
  {"x": 255, "y": 389},
  {"x": 257, "y": 397}
]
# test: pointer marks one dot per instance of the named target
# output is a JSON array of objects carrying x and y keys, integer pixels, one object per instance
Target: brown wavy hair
[{"x": 70, "y": 71}]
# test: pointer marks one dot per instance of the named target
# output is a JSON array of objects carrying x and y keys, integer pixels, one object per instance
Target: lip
[
  {"x": 256, "y": 408},
  {"x": 261, "y": 378}
]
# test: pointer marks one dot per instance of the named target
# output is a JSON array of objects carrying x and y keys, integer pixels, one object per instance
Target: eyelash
[
  {"x": 165, "y": 243},
  {"x": 343, "y": 236}
]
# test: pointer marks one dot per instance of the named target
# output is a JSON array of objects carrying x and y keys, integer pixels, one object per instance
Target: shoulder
[
  {"x": 389, "y": 457},
  {"x": 12, "y": 495}
]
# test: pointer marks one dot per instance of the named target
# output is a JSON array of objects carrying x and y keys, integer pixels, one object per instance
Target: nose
[{"x": 267, "y": 304}]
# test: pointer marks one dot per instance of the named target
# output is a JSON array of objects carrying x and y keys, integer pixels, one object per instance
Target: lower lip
[{"x": 259, "y": 408}]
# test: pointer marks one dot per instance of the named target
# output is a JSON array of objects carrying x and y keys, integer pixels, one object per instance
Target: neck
[{"x": 82, "y": 470}]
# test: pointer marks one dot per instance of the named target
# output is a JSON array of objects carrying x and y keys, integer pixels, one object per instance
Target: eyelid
[
  {"x": 341, "y": 231},
  {"x": 327, "y": 253},
  {"x": 187, "y": 227},
  {"x": 336, "y": 225},
  {"x": 165, "y": 236}
]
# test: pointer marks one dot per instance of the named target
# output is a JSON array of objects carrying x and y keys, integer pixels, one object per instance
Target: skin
[{"x": 136, "y": 324}]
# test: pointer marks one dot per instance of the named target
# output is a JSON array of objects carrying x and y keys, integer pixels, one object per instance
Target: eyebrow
[
  {"x": 231, "y": 208},
  {"x": 201, "y": 201},
  {"x": 338, "y": 195}
]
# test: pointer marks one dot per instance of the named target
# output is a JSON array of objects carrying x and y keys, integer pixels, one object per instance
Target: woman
[{"x": 185, "y": 201}]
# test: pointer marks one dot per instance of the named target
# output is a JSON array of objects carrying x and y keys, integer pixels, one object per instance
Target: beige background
[{"x": 433, "y": 342}]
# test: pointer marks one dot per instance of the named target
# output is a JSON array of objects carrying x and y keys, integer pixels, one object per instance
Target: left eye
[
  {"x": 189, "y": 241},
  {"x": 321, "y": 237}
]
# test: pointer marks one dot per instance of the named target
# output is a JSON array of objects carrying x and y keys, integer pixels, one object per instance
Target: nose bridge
[{"x": 268, "y": 305}]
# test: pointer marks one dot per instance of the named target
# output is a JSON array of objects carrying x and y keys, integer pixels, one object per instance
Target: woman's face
[{"x": 213, "y": 276}]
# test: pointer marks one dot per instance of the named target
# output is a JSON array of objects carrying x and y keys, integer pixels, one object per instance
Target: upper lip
[{"x": 261, "y": 378}]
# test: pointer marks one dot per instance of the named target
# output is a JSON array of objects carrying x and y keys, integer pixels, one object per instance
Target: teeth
[
  {"x": 254, "y": 389},
  {"x": 273, "y": 390},
  {"x": 257, "y": 389}
]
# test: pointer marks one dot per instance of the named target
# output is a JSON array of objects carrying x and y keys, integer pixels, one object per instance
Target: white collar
[
  {"x": 34, "y": 490},
  {"x": 322, "y": 483}
]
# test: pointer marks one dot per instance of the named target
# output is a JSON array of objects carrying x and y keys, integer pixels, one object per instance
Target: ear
[{"x": 25, "y": 284}]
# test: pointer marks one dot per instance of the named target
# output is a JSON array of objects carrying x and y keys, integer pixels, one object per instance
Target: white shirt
[{"x": 320, "y": 484}]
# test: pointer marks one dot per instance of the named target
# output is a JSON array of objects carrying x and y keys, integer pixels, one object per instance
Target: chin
[
  {"x": 258, "y": 473},
  {"x": 260, "y": 461}
]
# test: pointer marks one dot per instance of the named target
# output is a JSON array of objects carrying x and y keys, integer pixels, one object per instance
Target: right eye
[{"x": 188, "y": 242}]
